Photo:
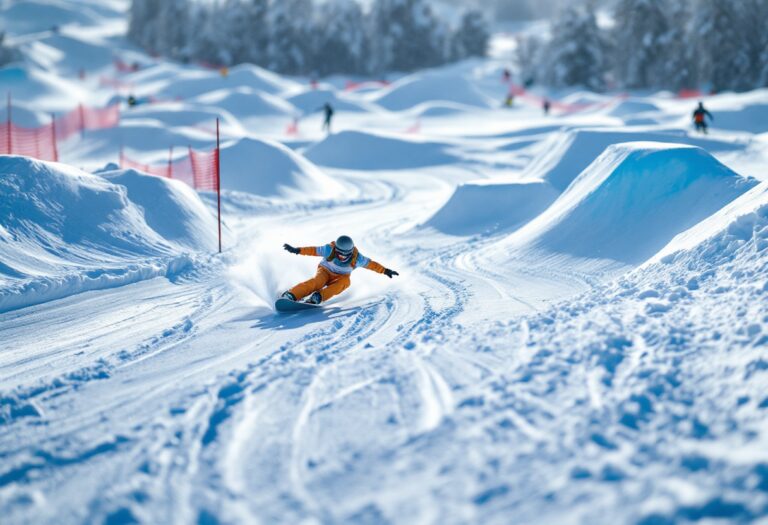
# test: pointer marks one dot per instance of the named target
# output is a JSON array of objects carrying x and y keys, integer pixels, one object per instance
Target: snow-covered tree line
[
  {"x": 301, "y": 37},
  {"x": 7, "y": 54},
  {"x": 672, "y": 44}
]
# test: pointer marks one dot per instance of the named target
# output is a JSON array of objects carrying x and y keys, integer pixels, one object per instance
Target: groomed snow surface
[{"x": 577, "y": 336}]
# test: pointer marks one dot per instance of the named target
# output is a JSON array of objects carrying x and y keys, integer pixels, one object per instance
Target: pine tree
[
  {"x": 7, "y": 54},
  {"x": 722, "y": 45},
  {"x": 245, "y": 24},
  {"x": 641, "y": 34},
  {"x": 576, "y": 54},
  {"x": 678, "y": 68},
  {"x": 405, "y": 36},
  {"x": 529, "y": 56},
  {"x": 472, "y": 37},
  {"x": 290, "y": 32},
  {"x": 342, "y": 44}
]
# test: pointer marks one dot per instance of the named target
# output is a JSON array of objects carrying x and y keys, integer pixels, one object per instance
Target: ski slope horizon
[{"x": 578, "y": 333}]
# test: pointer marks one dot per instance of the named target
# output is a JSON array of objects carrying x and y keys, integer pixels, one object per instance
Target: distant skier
[
  {"x": 546, "y": 105},
  {"x": 506, "y": 76},
  {"x": 340, "y": 258},
  {"x": 328, "y": 111},
  {"x": 700, "y": 118},
  {"x": 132, "y": 101}
]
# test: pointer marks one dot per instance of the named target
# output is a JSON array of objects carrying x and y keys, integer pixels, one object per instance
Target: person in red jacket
[
  {"x": 700, "y": 118},
  {"x": 340, "y": 258}
]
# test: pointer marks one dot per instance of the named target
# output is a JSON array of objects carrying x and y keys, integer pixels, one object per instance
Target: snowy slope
[
  {"x": 633, "y": 199},
  {"x": 65, "y": 231},
  {"x": 577, "y": 334}
]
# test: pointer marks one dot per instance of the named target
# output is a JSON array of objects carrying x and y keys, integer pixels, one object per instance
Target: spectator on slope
[
  {"x": 340, "y": 258},
  {"x": 700, "y": 118},
  {"x": 328, "y": 111}
]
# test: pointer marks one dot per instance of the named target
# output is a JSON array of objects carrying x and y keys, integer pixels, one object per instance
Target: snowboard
[{"x": 286, "y": 305}]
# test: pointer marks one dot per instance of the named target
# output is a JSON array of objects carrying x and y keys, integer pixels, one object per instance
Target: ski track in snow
[{"x": 492, "y": 382}]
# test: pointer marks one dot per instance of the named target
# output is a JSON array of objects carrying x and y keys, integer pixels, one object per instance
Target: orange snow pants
[{"x": 327, "y": 283}]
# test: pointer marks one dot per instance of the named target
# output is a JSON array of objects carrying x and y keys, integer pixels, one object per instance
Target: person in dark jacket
[
  {"x": 700, "y": 116},
  {"x": 328, "y": 111}
]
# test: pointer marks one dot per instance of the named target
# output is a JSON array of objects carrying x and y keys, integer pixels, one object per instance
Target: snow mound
[
  {"x": 633, "y": 200},
  {"x": 181, "y": 114},
  {"x": 713, "y": 238},
  {"x": 144, "y": 135},
  {"x": 752, "y": 118},
  {"x": 567, "y": 154},
  {"x": 246, "y": 102},
  {"x": 420, "y": 88},
  {"x": 42, "y": 89},
  {"x": 192, "y": 84},
  {"x": 65, "y": 231},
  {"x": 481, "y": 206},
  {"x": 24, "y": 116},
  {"x": 171, "y": 208},
  {"x": 378, "y": 151},
  {"x": 69, "y": 54},
  {"x": 632, "y": 106},
  {"x": 268, "y": 168},
  {"x": 441, "y": 109},
  {"x": 312, "y": 100},
  {"x": 28, "y": 16}
]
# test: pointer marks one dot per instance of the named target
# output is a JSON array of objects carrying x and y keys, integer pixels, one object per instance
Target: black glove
[
  {"x": 390, "y": 273},
  {"x": 291, "y": 249}
]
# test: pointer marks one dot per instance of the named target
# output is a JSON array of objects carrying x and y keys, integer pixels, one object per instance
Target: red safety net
[
  {"x": 369, "y": 84},
  {"x": 689, "y": 93},
  {"x": 84, "y": 118},
  {"x": 292, "y": 128},
  {"x": 199, "y": 169},
  {"x": 564, "y": 107},
  {"x": 205, "y": 169},
  {"x": 39, "y": 143}
]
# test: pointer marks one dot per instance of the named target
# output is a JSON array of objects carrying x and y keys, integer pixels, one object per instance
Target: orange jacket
[{"x": 332, "y": 263}]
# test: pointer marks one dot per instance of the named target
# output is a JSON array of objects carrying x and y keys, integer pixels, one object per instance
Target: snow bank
[
  {"x": 247, "y": 102},
  {"x": 194, "y": 83},
  {"x": 64, "y": 231},
  {"x": 23, "y": 116},
  {"x": 147, "y": 135},
  {"x": 171, "y": 208},
  {"x": 567, "y": 154},
  {"x": 441, "y": 109},
  {"x": 312, "y": 100},
  {"x": 632, "y": 200},
  {"x": 431, "y": 87},
  {"x": 742, "y": 220},
  {"x": 378, "y": 151},
  {"x": 181, "y": 114},
  {"x": 632, "y": 106},
  {"x": 70, "y": 54},
  {"x": 41, "y": 89},
  {"x": 487, "y": 205},
  {"x": 268, "y": 168},
  {"x": 752, "y": 118},
  {"x": 28, "y": 16}
]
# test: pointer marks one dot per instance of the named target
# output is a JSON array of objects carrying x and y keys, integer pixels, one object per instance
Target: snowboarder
[
  {"x": 340, "y": 258},
  {"x": 700, "y": 118},
  {"x": 328, "y": 110}
]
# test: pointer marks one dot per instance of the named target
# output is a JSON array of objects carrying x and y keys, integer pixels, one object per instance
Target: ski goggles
[{"x": 343, "y": 256}]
